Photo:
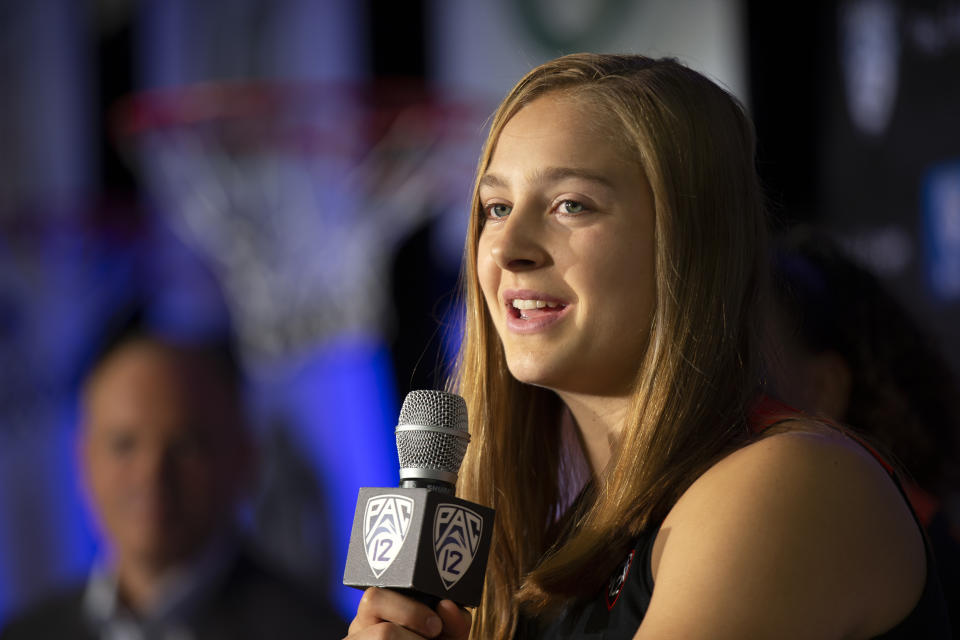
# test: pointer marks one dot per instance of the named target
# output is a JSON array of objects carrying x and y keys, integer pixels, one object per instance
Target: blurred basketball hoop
[{"x": 299, "y": 194}]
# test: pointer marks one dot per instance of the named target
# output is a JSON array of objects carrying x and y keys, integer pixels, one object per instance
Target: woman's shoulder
[
  {"x": 802, "y": 532},
  {"x": 807, "y": 448}
]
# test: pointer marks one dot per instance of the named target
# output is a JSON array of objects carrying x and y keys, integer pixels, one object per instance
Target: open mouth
[{"x": 527, "y": 309}]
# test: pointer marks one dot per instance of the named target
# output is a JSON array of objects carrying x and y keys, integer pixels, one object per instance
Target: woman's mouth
[
  {"x": 525, "y": 309},
  {"x": 529, "y": 313}
]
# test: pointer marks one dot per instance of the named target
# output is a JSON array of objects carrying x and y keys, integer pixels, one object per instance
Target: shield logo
[
  {"x": 456, "y": 535},
  {"x": 386, "y": 521}
]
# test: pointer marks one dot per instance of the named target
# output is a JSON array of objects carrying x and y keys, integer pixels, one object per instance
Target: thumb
[{"x": 456, "y": 621}]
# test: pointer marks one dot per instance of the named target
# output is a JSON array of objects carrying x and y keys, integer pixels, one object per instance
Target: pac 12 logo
[
  {"x": 386, "y": 521},
  {"x": 456, "y": 536}
]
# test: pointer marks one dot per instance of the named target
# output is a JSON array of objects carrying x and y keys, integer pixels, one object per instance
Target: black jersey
[{"x": 615, "y": 613}]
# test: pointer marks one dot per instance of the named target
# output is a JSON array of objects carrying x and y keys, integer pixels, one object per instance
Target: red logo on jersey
[{"x": 617, "y": 581}]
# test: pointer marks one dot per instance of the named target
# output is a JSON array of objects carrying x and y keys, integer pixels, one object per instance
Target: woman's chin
[{"x": 539, "y": 376}]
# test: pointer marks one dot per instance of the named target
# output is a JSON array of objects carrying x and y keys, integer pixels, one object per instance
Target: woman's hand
[{"x": 384, "y": 614}]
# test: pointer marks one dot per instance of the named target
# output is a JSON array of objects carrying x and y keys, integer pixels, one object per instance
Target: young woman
[{"x": 611, "y": 366}]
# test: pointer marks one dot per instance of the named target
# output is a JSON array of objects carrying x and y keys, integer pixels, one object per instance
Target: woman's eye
[
  {"x": 498, "y": 210},
  {"x": 571, "y": 206}
]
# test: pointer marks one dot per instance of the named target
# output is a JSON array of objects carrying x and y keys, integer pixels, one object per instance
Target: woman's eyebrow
[
  {"x": 548, "y": 175},
  {"x": 491, "y": 180},
  {"x": 556, "y": 174}
]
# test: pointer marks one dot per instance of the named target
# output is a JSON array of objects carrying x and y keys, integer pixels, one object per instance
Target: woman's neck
[{"x": 599, "y": 421}]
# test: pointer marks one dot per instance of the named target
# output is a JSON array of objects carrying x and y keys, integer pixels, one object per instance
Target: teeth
[{"x": 533, "y": 304}]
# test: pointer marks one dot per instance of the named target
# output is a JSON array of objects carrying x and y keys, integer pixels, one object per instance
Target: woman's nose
[{"x": 519, "y": 241}]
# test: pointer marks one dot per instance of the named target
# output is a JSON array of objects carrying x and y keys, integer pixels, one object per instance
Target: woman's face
[{"x": 565, "y": 258}]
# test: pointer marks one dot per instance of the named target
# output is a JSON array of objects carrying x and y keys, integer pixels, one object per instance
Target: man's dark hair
[{"x": 132, "y": 324}]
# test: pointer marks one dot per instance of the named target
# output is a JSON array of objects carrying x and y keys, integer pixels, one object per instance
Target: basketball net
[{"x": 299, "y": 196}]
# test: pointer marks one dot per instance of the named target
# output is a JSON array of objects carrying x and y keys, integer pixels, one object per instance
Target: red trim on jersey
[
  {"x": 768, "y": 411},
  {"x": 924, "y": 504},
  {"x": 619, "y": 580}
]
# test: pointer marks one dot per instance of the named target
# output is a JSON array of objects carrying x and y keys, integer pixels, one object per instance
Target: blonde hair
[{"x": 695, "y": 145}]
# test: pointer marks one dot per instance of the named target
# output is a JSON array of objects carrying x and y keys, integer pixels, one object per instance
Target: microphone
[{"x": 419, "y": 538}]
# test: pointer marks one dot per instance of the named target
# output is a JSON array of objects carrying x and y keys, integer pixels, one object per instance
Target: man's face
[{"x": 161, "y": 452}]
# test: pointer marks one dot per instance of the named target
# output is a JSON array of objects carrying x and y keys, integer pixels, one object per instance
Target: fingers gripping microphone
[{"x": 419, "y": 538}]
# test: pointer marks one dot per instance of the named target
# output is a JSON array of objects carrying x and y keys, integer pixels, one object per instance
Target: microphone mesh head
[{"x": 442, "y": 440}]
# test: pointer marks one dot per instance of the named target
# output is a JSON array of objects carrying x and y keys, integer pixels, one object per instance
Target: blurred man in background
[{"x": 167, "y": 459}]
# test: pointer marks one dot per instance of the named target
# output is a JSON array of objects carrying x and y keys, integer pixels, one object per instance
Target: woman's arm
[{"x": 799, "y": 535}]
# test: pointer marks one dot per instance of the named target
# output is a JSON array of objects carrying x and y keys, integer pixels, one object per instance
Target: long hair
[{"x": 700, "y": 369}]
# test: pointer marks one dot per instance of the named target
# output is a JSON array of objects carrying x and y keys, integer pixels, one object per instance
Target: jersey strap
[{"x": 767, "y": 412}]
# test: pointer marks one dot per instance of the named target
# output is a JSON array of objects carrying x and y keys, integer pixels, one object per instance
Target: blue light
[
  {"x": 342, "y": 409},
  {"x": 941, "y": 230}
]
